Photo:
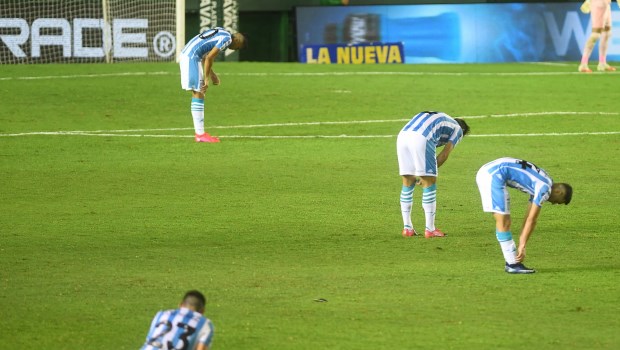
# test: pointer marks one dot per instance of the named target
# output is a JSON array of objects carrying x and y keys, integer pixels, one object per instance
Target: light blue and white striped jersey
[
  {"x": 438, "y": 128},
  {"x": 522, "y": 175},
  {"x": 181, "y": 328},
  {"x": 204, "y": 42}
]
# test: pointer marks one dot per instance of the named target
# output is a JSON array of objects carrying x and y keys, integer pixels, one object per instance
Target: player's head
[
  {"x": 561, "y": 193},
  {"x": 463, "y": 125},
  {"x": 194, "y": 300},
  {"x": 239, "y": 41}
]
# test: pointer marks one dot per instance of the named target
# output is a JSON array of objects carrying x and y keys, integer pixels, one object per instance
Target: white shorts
[
  {"x": 493, "y": 193},
  {"x": 416, "y": 156},
  {"x": 191, "y": 73}
]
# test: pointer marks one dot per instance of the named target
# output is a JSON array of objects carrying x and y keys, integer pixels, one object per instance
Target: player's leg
[
  {"x": 429, "y": 191},
  {"x": 604, "y": 43},
  {"x": 501, "y": 199},
  {"x": 500, "y": 207},
  {"x": 429, "y": 204},
  {"x": 495, "y": 199},
  {"x": 192, "y": 79},
  {"x": 406, "y": 203},
  {"x": 504, "y": 237},
  {"x": 406, "y": 169},
  {"x": 597, "y": 8}
]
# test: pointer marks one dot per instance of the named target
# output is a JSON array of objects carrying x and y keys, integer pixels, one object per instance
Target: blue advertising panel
[
  {"x": 353, "y": 54},
  {"x": 461, "y": 33}
]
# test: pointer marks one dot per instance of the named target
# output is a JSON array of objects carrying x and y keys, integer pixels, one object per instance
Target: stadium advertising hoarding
[
  {"x": 353, "y": 54},
  {"x": 127, "y": 37},
  {"x": 462, "y": 33},
  {"x": 86, "y": 31}
]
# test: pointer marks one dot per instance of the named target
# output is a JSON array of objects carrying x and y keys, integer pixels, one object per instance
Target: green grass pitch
[{"x": 109, "y": 211}]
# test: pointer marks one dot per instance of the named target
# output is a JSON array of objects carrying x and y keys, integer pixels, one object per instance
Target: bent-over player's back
[
  {"x": 204, "y": 42},
  {"x": 178, "y": 329}
]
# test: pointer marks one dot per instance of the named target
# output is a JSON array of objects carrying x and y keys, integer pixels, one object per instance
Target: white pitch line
[
  {"x": 455, "y": 74},
  {"x": 553, "y": 64},
  {"x": 251, "y": 126},
  {"x": 348, "y": 122},
  {"x": 102, "y": 75},
  {"x": 308, "y": 136},
  {"x": 550, "y": 134},
  {"x": 299, "y": 74},
  {"x": 535, "y": 114}
]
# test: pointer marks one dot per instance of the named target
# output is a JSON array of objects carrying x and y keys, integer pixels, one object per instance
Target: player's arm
[
  {"x": 214, "y": 78},
  {"x": 445, "y": 152},
  {"x": 208, "y": 64},
  {"x": 202, "y": 346},
  {"x": 528, "y": 227}
]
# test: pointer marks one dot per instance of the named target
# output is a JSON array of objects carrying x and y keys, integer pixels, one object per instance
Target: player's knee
[
  {"x": 594, "y": 37},
  {"x": 409, "y": 180},
  {"x": 502, "y": 222},
  {"x": 427, "y": 181}
]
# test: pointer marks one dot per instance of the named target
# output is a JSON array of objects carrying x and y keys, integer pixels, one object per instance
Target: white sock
[
  {"x": 198, "y": 114},
  {"x": 509, "y": 249},
  {"x": 429, "y": 204},
  {"x": 406, "y": 202}
]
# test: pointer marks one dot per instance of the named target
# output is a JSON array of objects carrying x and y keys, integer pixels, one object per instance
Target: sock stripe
[
  {"x": 503, "y": 236},
  {"x": 197, "y": 104},
  {"x": 406, "y": 194},
  {"x": 429, "y": 197}
]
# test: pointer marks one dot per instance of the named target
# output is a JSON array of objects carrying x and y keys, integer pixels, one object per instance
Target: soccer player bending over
[
  {"x": 416, "y": 149},
  {"x": 493, "y": 179},
  {"x": 196, "y": 63}
]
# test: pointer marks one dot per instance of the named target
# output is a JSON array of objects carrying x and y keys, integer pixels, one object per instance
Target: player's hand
[
  {"x": 585, "y": 7},
  {"x": 521, "y": 253},
  {"x": 204, "y": 87},
  {"x": 216, "y": 80}
]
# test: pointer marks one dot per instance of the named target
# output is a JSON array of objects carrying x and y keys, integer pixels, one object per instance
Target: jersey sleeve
[
  {"x": 205, "y": 336},
  {"x": 224, "y": 42},
  {"x": 456, "y": 136},
  {"x": 541, "y": 195}
]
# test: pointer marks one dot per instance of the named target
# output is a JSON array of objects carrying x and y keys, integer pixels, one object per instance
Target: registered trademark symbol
[{"x": 164, "y": 44}]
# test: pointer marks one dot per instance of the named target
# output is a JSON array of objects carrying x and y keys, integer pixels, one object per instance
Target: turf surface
[{"x": 109, "y": 211}]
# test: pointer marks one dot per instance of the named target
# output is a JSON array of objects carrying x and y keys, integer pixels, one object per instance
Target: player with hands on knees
[{"x": 196, "y": 63}]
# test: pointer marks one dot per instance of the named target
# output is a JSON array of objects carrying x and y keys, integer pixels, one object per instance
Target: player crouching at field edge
[
  {"x": 492, "y": 180},
  {"x": 196, "y": 63},
  {"x": 416, "y": 148}
]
